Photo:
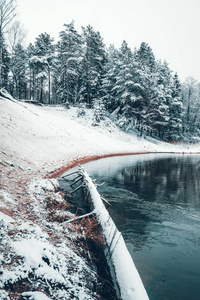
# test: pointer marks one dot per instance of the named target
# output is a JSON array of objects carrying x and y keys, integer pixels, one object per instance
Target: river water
[{"x": 156, "y": 205}]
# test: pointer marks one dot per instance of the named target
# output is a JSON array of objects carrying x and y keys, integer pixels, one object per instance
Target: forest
[{"x": 140, "y": 94}]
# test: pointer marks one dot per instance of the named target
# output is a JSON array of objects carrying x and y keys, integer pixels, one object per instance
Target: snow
[
  {"x": 35, "y": 257},
  {"x": 4, "y": 295},
  {"x": 6, "y": 197},
  {"x": 41, "y": 75},
  {"x": 47, "y": 261},
  {"x": 35, "y": 246},
  {"x": 5, "y": 218},
  {"x": 35, "y": 296},
  {"x": 36, "y": 135},
  {"x": 38, "y": 185}
]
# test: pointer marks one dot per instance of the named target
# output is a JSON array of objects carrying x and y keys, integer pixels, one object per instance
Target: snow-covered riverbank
[
  {"x": 39, "y": 252},
  {"x": 48, "y": 137}
]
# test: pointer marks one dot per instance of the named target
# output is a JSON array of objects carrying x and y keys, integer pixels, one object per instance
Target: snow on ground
[
  {"x": 39, "y": 252},
  {"x": 52, "y": 136}
]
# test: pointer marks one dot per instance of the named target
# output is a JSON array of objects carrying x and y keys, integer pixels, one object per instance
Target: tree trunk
[
  {"x": 30, "y": 85},
  {"x": 49, "y": 77},
  {"x": 41, "y": 91},
  {"x": 87, "y": 73},
  {"x": 33, "y": 85},
  {"x": 68, "y": 67},
  {"x": 1, "y": 61}
]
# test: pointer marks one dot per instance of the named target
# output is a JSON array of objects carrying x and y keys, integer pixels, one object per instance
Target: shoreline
[
  {"x": 85, "y": 159},
  {"x": 31, "y": 201}
]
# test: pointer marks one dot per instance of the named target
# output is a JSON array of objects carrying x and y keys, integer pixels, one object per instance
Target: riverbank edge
[
  {"x": 16, "y": 182},
  {"x": 85, "y": 159}
]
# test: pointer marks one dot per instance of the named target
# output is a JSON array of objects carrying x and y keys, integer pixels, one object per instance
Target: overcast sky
[{"x": 170, "y": 27}]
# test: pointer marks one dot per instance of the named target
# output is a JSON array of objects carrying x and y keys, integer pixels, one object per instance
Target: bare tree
[
  {"x": 191, "y": 102},
  {"x": 16, "y": 35},
  {"x": 7, "y": 13}
]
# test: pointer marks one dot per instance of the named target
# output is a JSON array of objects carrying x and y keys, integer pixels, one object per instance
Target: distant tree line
[{"x": 138, "y": 92}]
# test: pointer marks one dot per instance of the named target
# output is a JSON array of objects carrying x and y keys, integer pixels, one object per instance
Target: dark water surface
[{"x": 156, "y": 205}]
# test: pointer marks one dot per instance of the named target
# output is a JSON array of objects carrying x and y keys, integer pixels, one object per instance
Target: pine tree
[
  {"x": 19, "y": 63},
  {"x": 175, "y": 110},
  {"x": 32, "y": 71},
  {"x": 44, "y": 54},
  {"x": 37, "y": 66},
  {"x": 5, "y": 67},
  {"x": 140, "y": 93},
  {"x": 146, "y": 57},
  {"x": 163, "y": 94},
  {"x": 69, "y": 51},
  {"x": 109, "y": 79},
  {"x": 147, "y": 96},
  {"x": 99, "y": 111},
  {"x": 125, "y": 80},
  {"x": 92, "y": 65},
  {"x": 124, "y": 88}
]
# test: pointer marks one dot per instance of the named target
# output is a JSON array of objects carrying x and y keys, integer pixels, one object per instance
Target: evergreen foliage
[
  {"x": 91, "y": 65},
  {"x": 66, "y": 81},
  {"x": 18, "y": 68},
  {"x": 5, "y": 66},
  {"x": 139, "y": 93}
]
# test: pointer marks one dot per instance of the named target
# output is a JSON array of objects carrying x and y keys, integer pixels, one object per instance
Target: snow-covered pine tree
[
  {"x": 175, "y": 110},
  {"x": 37, "y": 76},
  {"x": 5, "y": 66},
  {"x": 146, "y": 57},
  {"x": 125, "y": 88},
  {"x": 44, "y": 54},
  {"x": 146, "y": 104},
  {"x": 69, "y": 52},
  {"x": 92, "y": 65},
  {"x": 121, "y": 82},
  {"x": 163, "y": 95},
  {"x": 109, "y": 79},
  {"x": 19, "y": 65},
  {"x": 32, "y": 71},
  {"x": 99, "y": 111}
]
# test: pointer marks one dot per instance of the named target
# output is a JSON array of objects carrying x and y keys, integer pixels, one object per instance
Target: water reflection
[
  {"x": 165, "y": 180},
  {"x": 156, "y": 204}
]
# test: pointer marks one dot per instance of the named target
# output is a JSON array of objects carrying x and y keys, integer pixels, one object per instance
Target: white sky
[{"x": 170, "y": 27}]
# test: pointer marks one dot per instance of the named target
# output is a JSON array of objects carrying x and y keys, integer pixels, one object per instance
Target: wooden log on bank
[{"x": 126, "y": 278}]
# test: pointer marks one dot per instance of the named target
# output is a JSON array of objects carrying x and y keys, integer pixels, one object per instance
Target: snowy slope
[{"x": 37, "y": 135}]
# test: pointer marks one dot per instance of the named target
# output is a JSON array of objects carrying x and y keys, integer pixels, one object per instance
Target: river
[{"x": 156, "y": 205}]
